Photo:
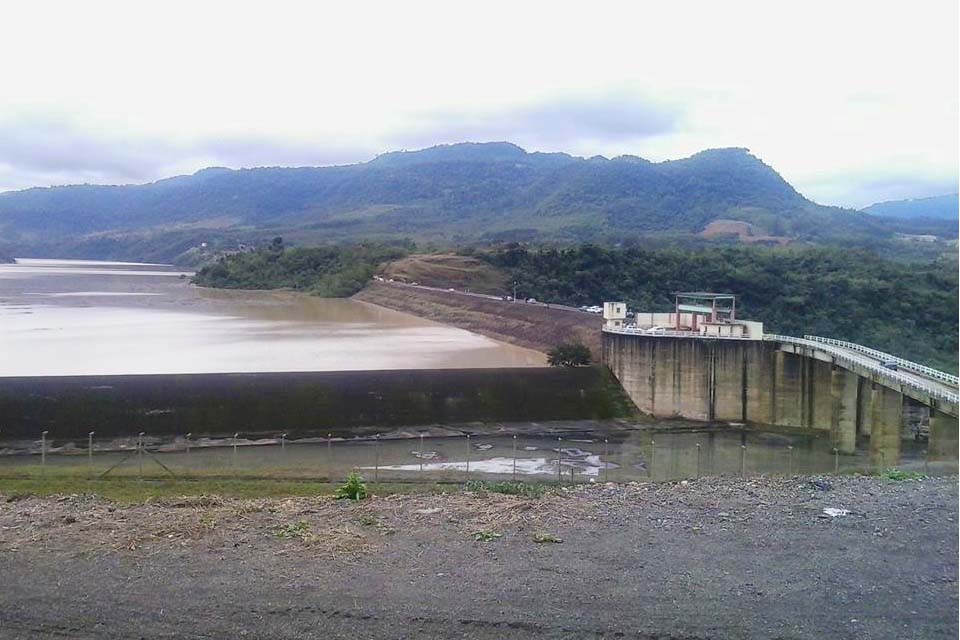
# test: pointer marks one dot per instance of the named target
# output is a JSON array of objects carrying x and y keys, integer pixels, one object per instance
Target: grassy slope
[{"x": 444, "y": 270}]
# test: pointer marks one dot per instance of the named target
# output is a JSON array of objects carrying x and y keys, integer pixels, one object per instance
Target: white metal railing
[
  {"x": 636, "y": 331},
  {"x": 844, "y": 356},
  {"x": 930, "y": 372}
]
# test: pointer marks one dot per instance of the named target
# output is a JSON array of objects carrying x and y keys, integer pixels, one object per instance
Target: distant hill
[
  {"x": 941, "y": 207},
  {"x": 469, "y": 192}
]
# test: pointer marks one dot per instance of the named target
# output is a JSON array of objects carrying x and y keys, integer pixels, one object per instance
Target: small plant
[
  {"x": 293, "y": 530},
  {"x": 367, "y": 520},
  {"x": 546, "y": 538},
  {"x": 486, "y": 535},
  {"x": 353, "y": 489},
  {"x": 902, "y": 476},
  {"x": 506, "y": 488}
]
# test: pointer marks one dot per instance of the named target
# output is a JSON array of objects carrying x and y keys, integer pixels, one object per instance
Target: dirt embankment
[
  {"x": 719, "y": 558},
  {"x": 534, "y": 326}
]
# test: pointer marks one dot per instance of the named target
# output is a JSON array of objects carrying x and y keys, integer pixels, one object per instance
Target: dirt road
[{"x": 714, "y": 558}]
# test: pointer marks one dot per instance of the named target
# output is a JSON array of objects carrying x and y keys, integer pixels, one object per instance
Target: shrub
[
  {"x": 573, "y": 354},
  {"x": 353, "y": 489}
]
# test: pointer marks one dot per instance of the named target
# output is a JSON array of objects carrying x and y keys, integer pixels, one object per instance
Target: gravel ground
[{"x": 714, "y": 558}]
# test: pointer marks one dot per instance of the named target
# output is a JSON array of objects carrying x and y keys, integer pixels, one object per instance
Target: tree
[{"x": 570, "y": 354}]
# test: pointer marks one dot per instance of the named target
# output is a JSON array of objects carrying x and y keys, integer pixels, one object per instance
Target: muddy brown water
[{"x": 73, "y": 317}]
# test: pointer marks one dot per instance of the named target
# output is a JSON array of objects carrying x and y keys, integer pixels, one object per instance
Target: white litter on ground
[{"x": 833, "y": 512}]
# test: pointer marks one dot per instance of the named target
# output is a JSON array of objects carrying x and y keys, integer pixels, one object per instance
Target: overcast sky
[{"x": 852, "y": 102}]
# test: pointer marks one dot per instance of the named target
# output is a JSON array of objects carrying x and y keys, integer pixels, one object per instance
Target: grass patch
[
  {"x": 523, "y": 489},
  {"x": 132, "y": 491},
  {"x": 293, "y": 530},
  {"x": 898, "y": 475}
]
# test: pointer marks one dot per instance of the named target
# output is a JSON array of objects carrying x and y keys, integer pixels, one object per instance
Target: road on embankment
[{"x": 532, "y": 325}]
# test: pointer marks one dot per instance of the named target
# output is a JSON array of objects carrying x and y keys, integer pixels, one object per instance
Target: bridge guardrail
[
  {"x": 930, "y": 372},
  {"x": 670, "y": 333},
  {"x": 933, "y": 391}
]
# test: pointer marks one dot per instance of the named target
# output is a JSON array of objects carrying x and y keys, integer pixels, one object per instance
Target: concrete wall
[
  {"x": 755, "y": 381},
  {"x": 301, "y": 403}
]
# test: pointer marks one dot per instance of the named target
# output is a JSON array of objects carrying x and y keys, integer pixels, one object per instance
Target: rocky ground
[{"x": 714, "y": 558}]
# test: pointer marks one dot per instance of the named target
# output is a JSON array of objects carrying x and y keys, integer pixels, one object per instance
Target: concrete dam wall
[
  {"x": 312, "y": 403},
  {"x": 753, "y": 381}
]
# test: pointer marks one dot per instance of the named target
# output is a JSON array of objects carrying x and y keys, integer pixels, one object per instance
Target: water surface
[{"x": 77, "y": 317}]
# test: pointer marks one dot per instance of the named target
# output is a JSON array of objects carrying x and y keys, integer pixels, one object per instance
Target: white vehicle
[
  {"x": 532, "y": 300},
  {"x": 654, "y": 330}
]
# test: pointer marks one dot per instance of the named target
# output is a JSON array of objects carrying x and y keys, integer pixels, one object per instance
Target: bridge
[{"x": 843, "y": 389}]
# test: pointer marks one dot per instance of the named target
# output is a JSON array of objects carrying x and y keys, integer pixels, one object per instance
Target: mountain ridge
[{"x": 448, "y": 194}]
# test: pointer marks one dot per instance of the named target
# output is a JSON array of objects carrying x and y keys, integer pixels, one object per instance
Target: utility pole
[{"x": 514, "y": 290}]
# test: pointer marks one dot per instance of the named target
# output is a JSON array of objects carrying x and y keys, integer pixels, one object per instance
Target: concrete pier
[{"x": 761, "y": 382}]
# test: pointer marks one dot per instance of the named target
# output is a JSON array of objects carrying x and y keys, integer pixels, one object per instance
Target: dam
[{"x": 701, "y": 363}]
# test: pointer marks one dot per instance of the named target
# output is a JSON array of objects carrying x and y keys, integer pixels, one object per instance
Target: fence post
[
  {"x": 606, "y": 460},
  {"x": 421, "y": 453},
  {"x": 376, "y": 458},
  {"x": 468, "y": 457},
  {"x": 743, "y": 460},
  {"x": 653, "y": 453},
  {"x": 698, "y": 461},
  {"x": 140, "y": 455},
  {"x": 43, "y": 451},
  {"x": 790, "y": 460},
  {"x": 559, "y": 460},
  {"x": 329, "y": 457},
  {"x": 234, "y": 461},
  {"x": 514, "y": 458},
  {"x": 283, "y": 443},
  {"x": 189, "y": 435},
  {"x": 90, "y": 452}
]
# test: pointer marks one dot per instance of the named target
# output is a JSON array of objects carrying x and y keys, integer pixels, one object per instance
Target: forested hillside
[
  {"x": 333, "y": 272},
  {"x": 938, "y": 207},
  {"x": 465, "y": 193},
  {"x": 909, "y": 310}
]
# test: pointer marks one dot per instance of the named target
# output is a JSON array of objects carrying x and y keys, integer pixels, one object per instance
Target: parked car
[
  {"x": 532, "y": 300},
  {"x": 655, "y": 330},
  {"x": 890, "y": 364}
]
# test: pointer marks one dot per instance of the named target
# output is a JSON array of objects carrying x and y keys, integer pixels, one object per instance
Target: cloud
[
  {"x": 565, "y": 122},
  {"x": 42, "y": 151}
]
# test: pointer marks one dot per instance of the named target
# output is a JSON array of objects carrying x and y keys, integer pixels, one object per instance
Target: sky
[{"x": 852, "y": 102}]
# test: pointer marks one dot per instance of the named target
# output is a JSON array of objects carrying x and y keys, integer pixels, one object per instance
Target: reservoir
[{"x": 77, "y": 317}]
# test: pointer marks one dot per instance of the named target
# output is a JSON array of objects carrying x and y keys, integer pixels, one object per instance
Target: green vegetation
[
  {"x": 331, "y": 272},
  {"x": 293, "y": 530},
  {"x": 486, "y": 536},
  {"x": 133, "y": 491},
  {"x": 898, "y": 475},
  {"x": 481, "y": 487},
  {"x": 575, "y": 354},
  {"x": 907, "y": 310},
  {"x": 353, "y": 489}
]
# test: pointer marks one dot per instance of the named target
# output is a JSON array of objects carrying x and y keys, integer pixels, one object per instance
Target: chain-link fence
[{"x": 530, "y": 457}]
